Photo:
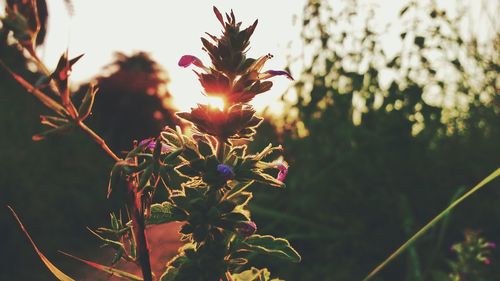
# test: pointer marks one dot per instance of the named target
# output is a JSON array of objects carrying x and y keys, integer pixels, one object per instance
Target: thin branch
[
  {"x": 134, "y": 205},
  {"x": 98, "y": 140}
]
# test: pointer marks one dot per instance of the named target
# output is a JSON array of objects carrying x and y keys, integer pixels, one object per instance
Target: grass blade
[
  {"x": 57, "y": 273},
  {"x": 437, "y": 218},
  {"x": 107, "y": 269}
]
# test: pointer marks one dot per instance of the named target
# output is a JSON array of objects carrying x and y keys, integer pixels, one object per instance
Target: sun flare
[{"x": 215, "y": 102}]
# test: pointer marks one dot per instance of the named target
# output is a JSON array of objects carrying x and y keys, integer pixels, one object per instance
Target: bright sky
[{"x": 167, "y": 31}]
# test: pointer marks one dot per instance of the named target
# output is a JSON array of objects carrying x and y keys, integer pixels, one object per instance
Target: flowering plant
[
  {"x": 473, "y": 255},
  {"x": 212, "y": 202}
]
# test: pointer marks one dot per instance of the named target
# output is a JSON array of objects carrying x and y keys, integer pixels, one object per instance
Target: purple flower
[
  {"x": 225, "y": 171},
  {"x": 486, "y": 261},
  {"x": 491, "y": 245},
  {"x": 246, "y": 228},
  {"x": 188, "y": 60},
  {"x": 150, "y": 144},
  {"x": 283, "y": 170},
  {"x": 271, "y": 73}
]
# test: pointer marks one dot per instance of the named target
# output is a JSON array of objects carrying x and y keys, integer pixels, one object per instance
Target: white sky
[{"x": 167, "y": 31}]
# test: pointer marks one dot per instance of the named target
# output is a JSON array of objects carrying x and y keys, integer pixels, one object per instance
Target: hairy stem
[
  {"x": 99, "y": 140},
  {"x": 134, "y": 205}
]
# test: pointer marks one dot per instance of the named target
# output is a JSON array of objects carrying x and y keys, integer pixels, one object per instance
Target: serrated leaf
[
  {"x": 242, "y": 198},
  {"x": 107, "y": 269},
  {"x": 235, "y": 217},
  {"x": 170, "y": 274},
  {"x": 57, "y": 273},
  {"x": 261, "y": 177},
  {"x": 205, "y": 148},
  {"x": 267, "y": 244},
  {"x": 186, "y": 170},
  {"x": 253, "y": 274},
  {"x": 171, "y": 138},
  {"x": 163, "y": 213}
]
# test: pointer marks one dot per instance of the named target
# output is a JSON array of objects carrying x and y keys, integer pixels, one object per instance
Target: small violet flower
[
  {"x": 491, "y": 245},
  {"x": 282, "y": 166},
  {"x": 150, "y": 144},
  {"x": 259, "y": 64},
  {"x": 271, "y": 73},
  {"x": 188, "y": 60},
  {"x": 246, "y": 228},
  {"x": 225, "y": 171},
  {"x": 486, "y": 261}
]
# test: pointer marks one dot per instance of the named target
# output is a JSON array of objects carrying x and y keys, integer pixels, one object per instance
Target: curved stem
[{"x": 99, "y": 140}]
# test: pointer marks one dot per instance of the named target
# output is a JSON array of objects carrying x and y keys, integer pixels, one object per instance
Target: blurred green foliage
[{"x": 380, "y": 144}]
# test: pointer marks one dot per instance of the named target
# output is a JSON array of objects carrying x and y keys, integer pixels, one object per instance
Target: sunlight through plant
[{"x": 214, "y": 162}]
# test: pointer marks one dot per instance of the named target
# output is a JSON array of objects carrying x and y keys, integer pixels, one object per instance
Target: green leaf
[
  {"x": 114, "y": 175},
  {"x": 253, "y": 274},
  {"x": 107, "y": 269},
  {"x": 171, "y": 156},
  {"x": 235, "y": 217},
  {"x": 146, "y": 175},
  {"x": 170, "y": 274},
  {"x": 53, "y": 121},
  {"x": 205, "y": 147},
  {"x": 88, "y": 101},
  {"x": 46, "y": 100},
  {"x": 165, "y": 212},
  {"x": 242, "y": 198},
  {"x": 171, "y": 137},
  {"x": 116, "y": 245},
  {"x": 186, "y": 170},
  {"x": 18, "y": 24},
  {"x": 267, "y": 244},
  {"x": 43, "y": 135},
  {"x": 259, "y": 176},
  {"x": 57, "y": 273},
  {"x": 226, "y": 206}
]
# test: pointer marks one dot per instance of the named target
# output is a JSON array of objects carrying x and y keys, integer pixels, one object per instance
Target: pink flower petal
[
  {"x": 283, "y": 170},
  {"x": 272, "y": 73},
  {"x": 188, "y": 60}
]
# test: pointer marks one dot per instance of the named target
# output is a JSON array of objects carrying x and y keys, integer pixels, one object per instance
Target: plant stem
[
  {"x": 99, "y": 140},
  {"x": 220, "y": 148},
  {"x": 139, "y": 229}
]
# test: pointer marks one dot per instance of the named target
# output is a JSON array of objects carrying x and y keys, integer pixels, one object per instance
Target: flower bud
[
  {"x": 225, "y": 171},
  {"x": 283, "y": 170},
  {"x": 150, "y": 145},
  {"x": 246, "y": 228}
]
